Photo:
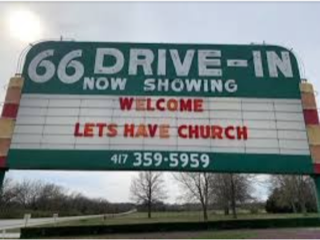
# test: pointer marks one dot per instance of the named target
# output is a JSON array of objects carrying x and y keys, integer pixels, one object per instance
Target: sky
[{"x": 292, "y": 25}]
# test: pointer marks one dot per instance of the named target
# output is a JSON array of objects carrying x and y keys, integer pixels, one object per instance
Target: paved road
[
  {"x": 17, "y": 223},
  {"x": 4, "y": 235},
  {"x": 6, "y": 224},
  {"x": 14, "y": 223}
]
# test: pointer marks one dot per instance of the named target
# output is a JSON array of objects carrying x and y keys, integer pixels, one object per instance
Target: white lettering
[
  {"x": 190, "y": 85},
  {"x": 216, "y": 85},
  {"x": 145, "y": 62},
  {"x": 193, "y": 85},
  {"x": 231, "y": 86},
  {"x": 68, "y": 62},
  {"x": 205, "y": 62},
  {"x": 149, "y": 84},
  {"x": 103, "y": 83},
  {"x": 88, "y": 83},
  {"x": 257, "y": 62},
  {"x": 162, "y": 54},
  {"x": 99, "y": 68},
  {"x": 118, "y": 83},
  {"x": 182, "y": 68},
  {"x": 177, "y": 85},
  {"x": 39, "y": 61},
  {"x": 163, "y": 85},
  {"x": 275, "y": 63}
]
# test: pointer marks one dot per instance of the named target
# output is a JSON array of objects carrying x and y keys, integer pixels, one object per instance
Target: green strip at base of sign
[{"x": 159, "y": 160}]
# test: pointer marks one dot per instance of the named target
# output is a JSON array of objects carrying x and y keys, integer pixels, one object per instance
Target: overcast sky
[{"x": 293, "y": 25}]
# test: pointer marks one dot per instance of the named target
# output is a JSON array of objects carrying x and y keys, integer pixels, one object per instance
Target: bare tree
[
  {"x": 7, "y": 194},
  {"x": 147, "y": 188},
  {"x": 44, "y": 199},
  {"x": 27, "y": 193},
  {"x": 220, "y": 192},
  {"x": 196, "y": 186},
  {"x": 229, "y": 189},
  {"x": 36, "y": 195},
  {"x": 50, "y": 196},
  {"x": 296, "y": 191}
]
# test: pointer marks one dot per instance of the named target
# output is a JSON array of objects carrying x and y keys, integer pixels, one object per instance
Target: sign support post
[
  {"x": 7, "y": 121},
  {"x": 311, "y": 117},
  {"x": 2, "y": 175},
  {"x": 316, "y": 179}
]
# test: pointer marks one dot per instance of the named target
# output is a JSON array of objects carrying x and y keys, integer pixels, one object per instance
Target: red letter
[
  {"x": 217, "y": 132},
  {"x": 100, "y": 127},
  {"x": 126, "y": 103},
  {"x": 180, "y": 133},
  {"x": 149, "y": 105},
  {"x": 76, "y": 130},
  {"x": 129, "y": 130},
  {"x": 185, "y": 105},
  {"x": 161, "y": 100},
  {"x": 242, "y": 133},
  {"x": 142, "y": 131},
  {"x": 194, "y": 130},
  {"x": 198, "y": 105},
  {"x": 152, "y": 129},
  {"x": 88, "y": 129},
  {"x": 227, "y": 132},
  {"x": 172, "y": 105},
  {"x": 164, "y": 131},
  {"x": 140, "y": 104},
  {"x": 112, "y": 130},
  {"x": 205, "y": 132}
]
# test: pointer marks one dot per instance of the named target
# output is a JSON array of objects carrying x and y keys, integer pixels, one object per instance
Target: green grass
[
  {"x": 175, "y": 235},
  {"x": 227, "y": 235},
  {"x": 13, "y": 230},
  {"x": 178, "y": 235},
  {"x": 171, "y": 217}
]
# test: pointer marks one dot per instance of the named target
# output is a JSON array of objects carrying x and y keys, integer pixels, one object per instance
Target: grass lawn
[
  {"x": 223, "y": 234},
  {"x": 246, "y": 234}
]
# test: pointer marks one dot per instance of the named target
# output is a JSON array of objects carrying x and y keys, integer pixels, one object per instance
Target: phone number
[{"x": 184, "y": 160}]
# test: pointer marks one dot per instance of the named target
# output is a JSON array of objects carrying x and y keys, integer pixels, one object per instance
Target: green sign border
[
  {"x": 100, "y": 160},
  {"x": 248, "y": 84}
]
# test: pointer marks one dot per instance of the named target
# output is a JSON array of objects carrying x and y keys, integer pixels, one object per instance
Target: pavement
[{"x": 6, "y": 224}]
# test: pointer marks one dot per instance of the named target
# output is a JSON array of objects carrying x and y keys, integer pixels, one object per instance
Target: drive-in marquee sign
[{"x": 128, "y": 106}]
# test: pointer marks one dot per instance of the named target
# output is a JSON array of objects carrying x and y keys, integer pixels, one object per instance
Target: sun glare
[{"x": 24, "y": 25}]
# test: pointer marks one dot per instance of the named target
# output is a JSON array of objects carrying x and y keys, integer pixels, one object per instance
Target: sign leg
[
  {"x": 2, "y": 174},
  {"x": 316, "y": 179}
]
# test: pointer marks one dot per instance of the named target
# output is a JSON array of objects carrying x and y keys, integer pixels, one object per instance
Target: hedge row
[{"x": 73, "y": 231}]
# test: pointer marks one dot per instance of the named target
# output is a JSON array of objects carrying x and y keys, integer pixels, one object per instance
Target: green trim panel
[{"x": 101, "y": 160}]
